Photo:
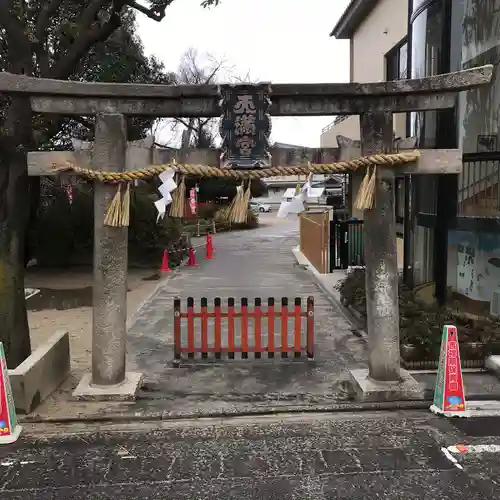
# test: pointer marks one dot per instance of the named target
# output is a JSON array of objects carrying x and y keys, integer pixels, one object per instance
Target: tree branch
[
  {"x": 41, "y": 28},
  {"x": 157, "y": 12},
  {"x": 214, "y": 72},
  {"x": 186, "y": 124},
  {"x": 204, "y": 122},
  {"x": 91, "y": 13},
  {"x": 210, "y": 3},
  {"x": 14, "y": 27},
  {"x": 91, "y": 33},
  {"x": 48, "y": 10},
  {"x": 164, "y": 146},
  {"x": 63, "y": 68}
]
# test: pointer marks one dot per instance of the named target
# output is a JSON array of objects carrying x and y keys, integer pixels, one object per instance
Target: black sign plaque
[{"x": 245, "y": 126}]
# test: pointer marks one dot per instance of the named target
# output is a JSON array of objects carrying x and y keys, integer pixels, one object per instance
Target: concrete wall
[
  {"x": 476, "y": 269},
  {"x": 38, "y": 376},
  {"x": 384, "y": 28},
  {"x": 348, "y": 126}
]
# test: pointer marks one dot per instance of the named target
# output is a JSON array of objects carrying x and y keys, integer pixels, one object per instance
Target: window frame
[{"x": 395, "y": 52}]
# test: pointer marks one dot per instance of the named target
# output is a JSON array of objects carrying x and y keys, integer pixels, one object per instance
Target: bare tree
[{"x": 196, "y": 68}]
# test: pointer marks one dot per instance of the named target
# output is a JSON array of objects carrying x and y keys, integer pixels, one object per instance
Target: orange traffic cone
[
  {"x": 209, "y": 248},
  {"x": 192, "y": 260},
  {"x": 164, "y": 263}
]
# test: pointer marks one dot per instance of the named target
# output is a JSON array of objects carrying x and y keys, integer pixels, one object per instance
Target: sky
[{"x": 280, "y": 41}]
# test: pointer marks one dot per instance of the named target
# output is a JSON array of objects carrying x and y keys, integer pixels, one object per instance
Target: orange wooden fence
[
  {"x": 314, "y": 238},
  {"x": 244, "y": 329}
]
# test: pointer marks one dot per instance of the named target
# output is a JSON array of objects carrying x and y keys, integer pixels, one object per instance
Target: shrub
[
  {"x": 65, "y": 233},
  {"x": 55, "y": 234},
  {"x": 215, "y": 188},
  {"x": 207, "y": 210},
  {"x": 421, "y": 324}
]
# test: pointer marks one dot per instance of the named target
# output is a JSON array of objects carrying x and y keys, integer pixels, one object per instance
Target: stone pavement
[
  {"x": 389, "y": 456},
  {"x": 248, "y": 264},
  {"x": 478, "y": 384},
  {"x": 257, "y": 263}
]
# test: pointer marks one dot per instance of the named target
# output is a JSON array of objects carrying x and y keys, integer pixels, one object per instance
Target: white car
[{"x": 256, "y": 206}]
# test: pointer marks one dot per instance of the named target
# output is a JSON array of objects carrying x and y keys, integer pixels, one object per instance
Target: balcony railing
[
  {"x": 478, "y": 185},
  {"x": 336, "y": 121}
]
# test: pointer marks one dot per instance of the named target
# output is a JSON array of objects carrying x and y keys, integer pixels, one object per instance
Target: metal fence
[{"x": 346, "y": 244}]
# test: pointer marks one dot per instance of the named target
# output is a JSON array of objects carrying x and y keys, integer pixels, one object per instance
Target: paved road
[
  {"x": 343, "y": 456},
  {"x": 256, "y": 263}
]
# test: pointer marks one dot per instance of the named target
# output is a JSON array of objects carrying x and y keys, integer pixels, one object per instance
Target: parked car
[{"x": 256, "y": 206}]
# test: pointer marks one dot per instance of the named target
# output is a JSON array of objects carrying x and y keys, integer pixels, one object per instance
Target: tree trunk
[{"x": 14, "y": 210}]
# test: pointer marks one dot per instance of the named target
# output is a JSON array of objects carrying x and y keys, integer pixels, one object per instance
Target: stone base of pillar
[
  {"x": 371, "y": 390},
  {"x": 126, "y": 391}
]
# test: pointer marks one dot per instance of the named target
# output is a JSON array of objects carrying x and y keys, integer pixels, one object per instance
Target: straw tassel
[
  {"x": 238, "y": 209},
  {"x": 113, "y": 215},
  {"x": 236, "y": 205},
  {"x": 125, "y": 209},
  {"x": 358, "y": 203},
  {"x": 179, "y": 198},
  {"x": 370, "y": 190},
  {"x": 245, "y": 202},
  {"x": 366, "y": 194}
]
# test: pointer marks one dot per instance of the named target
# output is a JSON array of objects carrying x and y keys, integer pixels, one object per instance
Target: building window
[
  {"x": 429, "y": 56},
  {"x": 396, "y": 62}
]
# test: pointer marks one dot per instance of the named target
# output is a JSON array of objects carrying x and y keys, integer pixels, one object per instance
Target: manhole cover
[{"x": 478, "y": 427}]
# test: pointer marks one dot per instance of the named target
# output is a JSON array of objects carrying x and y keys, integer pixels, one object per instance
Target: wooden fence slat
[
  {"x": 258, "y": 326},
  {"x": 217, "y": 327},
  {"x": 204, "y": 327},
  {"x": 190, "y": 326},
  {"x": 244, "y": 328},
  {"x": 297, "y": 326},
  {"x": 248, "y": 318},
  {"x": 310, "y": 327},
  {"x": 270, "y": 327},
  {"x": 177, "y": 328},
  {"x": 284, "y": 327},
  {"x": 230, "y": 327}
]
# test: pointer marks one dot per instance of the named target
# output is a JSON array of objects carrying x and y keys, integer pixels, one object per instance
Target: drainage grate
[{"x": 477, "y": 427}]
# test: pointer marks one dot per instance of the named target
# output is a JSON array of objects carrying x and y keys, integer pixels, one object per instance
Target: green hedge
[{"x": 64, "y": 234}]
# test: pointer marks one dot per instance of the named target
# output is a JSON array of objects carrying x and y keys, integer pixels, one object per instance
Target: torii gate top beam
[{"x": 85, "y": 98}]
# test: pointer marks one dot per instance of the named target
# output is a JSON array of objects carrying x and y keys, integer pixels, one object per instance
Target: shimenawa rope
[{"x": 118, "y": 212}]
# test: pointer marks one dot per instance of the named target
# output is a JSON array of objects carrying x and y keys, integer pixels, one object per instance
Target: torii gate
[{"x": 374, "y": 102}]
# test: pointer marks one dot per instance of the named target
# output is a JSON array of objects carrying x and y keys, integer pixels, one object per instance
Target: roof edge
[{"x": 355, "y": 13}]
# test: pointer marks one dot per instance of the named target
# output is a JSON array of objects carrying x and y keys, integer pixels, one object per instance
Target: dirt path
[{"x": 65, "y": 303}]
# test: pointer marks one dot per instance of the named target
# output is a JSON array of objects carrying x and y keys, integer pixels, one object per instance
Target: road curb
[
  {"x": 162, "y": 280},
  {"x": 171, "y": 416},
  {"x": 124, "y": 416},
  {"x": 347, "y": 313}
]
